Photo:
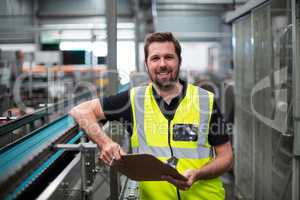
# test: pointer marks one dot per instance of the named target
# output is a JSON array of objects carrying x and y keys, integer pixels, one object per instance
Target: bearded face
[{"x": 163, "y": 65}]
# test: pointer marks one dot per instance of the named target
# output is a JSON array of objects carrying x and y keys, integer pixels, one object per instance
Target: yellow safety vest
[{"x": 152, "y": 132}]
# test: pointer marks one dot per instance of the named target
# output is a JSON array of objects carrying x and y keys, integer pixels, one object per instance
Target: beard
[{"x": 165, "y": 84}]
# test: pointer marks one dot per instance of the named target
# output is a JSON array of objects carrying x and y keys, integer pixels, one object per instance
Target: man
[{"x": 163, "y": 118}]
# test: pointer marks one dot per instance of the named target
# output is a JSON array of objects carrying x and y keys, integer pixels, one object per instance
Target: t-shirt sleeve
[
  {"x": 117, "y": 107},
  {"x": 217, "y": 130}
]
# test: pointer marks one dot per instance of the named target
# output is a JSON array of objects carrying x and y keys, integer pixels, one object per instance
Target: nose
[{"x": 162, "y": 62}]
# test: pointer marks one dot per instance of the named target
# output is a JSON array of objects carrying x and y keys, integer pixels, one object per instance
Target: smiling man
[
  {"x": 169, "y": 118},
  {"x": 162, "y": 64}
]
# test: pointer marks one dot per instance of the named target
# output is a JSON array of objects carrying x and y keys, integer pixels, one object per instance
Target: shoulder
[
  {"x": 201, "y": 91},
  {"x": 116, "y": 106},
  {"x": 143, "y": 87},
  {"x": 140, "y": 90},
  {"x": 198, "y": 87},
  {"x": 117, "y": 97},
  {"x": 115, "y": 102}
]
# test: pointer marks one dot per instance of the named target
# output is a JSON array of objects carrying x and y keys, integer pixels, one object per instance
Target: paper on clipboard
[{"x": 145, "y": 167}]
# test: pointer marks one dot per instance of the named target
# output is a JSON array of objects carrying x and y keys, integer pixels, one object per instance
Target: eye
[
  {"x": 169, "y": 57},
  {"x": 154, "y": 58}
]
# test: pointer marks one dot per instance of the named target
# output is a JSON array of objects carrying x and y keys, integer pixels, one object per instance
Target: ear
[{"x": 146, "y": 66}]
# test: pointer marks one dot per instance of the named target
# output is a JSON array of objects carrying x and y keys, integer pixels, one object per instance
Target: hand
[
  {"x": 110, "y": 152},
  {"x": 190, "y": 174}
]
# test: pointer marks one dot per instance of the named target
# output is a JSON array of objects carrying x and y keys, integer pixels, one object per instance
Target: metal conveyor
[{"x": 24, "y": 160}]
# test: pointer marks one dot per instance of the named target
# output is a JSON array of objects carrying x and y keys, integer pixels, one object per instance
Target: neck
[{"x": 168, "y": 95}]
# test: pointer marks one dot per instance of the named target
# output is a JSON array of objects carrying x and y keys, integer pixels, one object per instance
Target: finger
[
  {"x": 112, "y": 161},
  {"x": 170, "y": 180},
  {"x": 183, "y": 186},
  {"x": 107, "y": 153},
  {"x": 117, "y": 152},
  {"x": 122, "y": 152},
  {"x": 178, "y": 183},
  {"x": 101, "y": 157},
  {"x": 114, "y": 151},
  {"x": 106, "y": 157}
]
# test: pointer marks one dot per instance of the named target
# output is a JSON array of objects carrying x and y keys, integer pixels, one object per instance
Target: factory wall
[
  {"x": 21, "y": 20},
  {"x": 16, "y": 20},
  {"x": 263, "y": 142},
  {"x": 189, "y": 23},
  {"x": 71, "y": 7},
  {"x": 200, "y": 25}
]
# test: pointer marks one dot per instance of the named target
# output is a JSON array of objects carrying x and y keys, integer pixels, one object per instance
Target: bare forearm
[
  {"x": 213, "y": 169},
  {"x": 95, "y": 131},
  {"x": 218, "y": 166},
  {"x": 87, "y": 115}
]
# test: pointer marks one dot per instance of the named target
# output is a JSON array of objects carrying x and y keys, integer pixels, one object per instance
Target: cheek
[
  {"x": 152, "y": 68},
  {"x": 175, "y": 67}
]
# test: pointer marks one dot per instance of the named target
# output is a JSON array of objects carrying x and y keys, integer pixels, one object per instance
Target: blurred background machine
[{"x": 55, "y": 54}]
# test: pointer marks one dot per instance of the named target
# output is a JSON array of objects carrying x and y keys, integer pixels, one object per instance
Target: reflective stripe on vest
[
  {"x": 200, "y": 152},
  {"x": 204, "y": 102}
]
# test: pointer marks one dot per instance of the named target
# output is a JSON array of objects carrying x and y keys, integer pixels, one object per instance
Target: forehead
[{"x": 161, "y": 48}]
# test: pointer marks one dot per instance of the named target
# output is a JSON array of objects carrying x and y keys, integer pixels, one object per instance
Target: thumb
[
  {"x": 188, "y": 173},
  {"x": 122, "y": 152}
]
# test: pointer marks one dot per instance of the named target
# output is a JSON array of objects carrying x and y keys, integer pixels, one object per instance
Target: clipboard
[{"x": 145, "y": 167}]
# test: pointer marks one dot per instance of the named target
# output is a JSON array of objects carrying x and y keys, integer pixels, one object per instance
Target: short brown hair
[{"x": 161, "y": 37}]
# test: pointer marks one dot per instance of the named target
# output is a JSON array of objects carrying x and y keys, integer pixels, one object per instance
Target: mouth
[
  {"x": 163, "y": 71},
  {"x": 164, "y": 74}
]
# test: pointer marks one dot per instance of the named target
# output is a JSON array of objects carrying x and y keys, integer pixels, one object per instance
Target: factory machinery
[{"x": 55, "y": 161}]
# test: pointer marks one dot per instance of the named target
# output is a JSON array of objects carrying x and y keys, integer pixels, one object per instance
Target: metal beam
[
  {"x": 154, "y": 13},
  {"x": 199, "y": 35},
  {"x": 36, "y": 23},
  {"x": 296, "y": 92},
  {"x": 78, "y": 15},
  {"x": 111, "y": 24},
  {"x": 30, "y": 118},
  {"x": 296, "y": 178},
  {"x": 26, "y": 119},
  {"x": 250, "y": 5},
  {"x": 137, "y": 34},
  {"x": 296, "y": 74},
  {"x": 188, "y": 7},
  {"x": 202, "y": 1},
  {"x": 49, "y": 191}
]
